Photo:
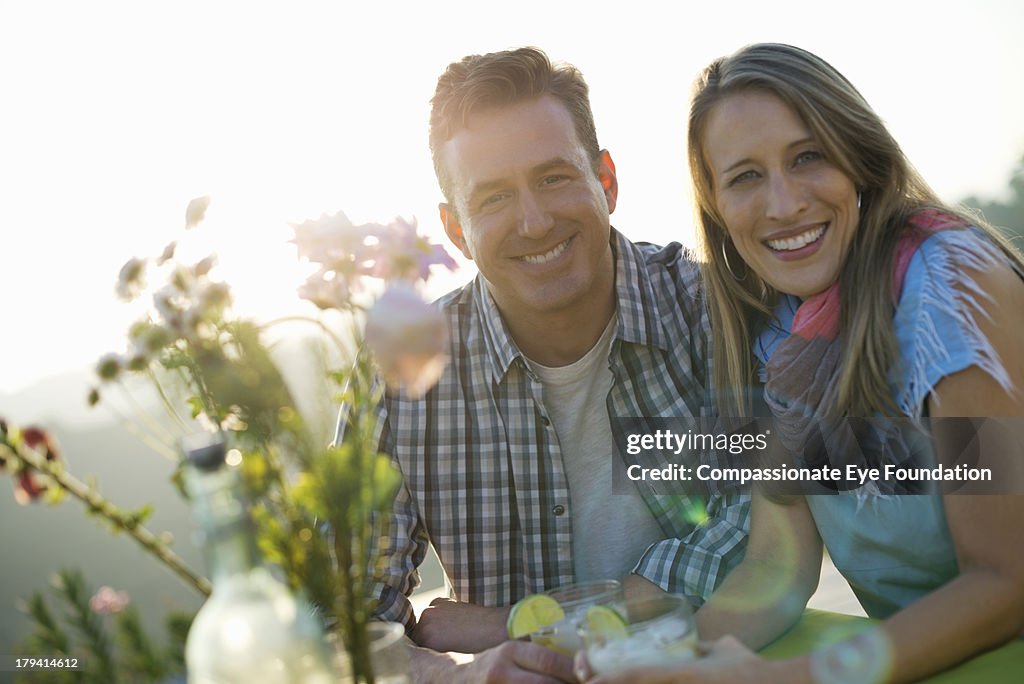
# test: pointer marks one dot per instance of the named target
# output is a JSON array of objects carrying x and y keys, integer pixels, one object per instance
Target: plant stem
[
  {"x": 95, "y": 502},
  {"x": 353, "y": 612},
  {"x": 341, "y": 347},
  {"x": 168, "y": 404}
]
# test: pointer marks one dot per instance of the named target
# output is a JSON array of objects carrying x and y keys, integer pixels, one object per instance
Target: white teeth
[
  {"x": 797, "y": 241},
  {"x": 546, "y": 256}
]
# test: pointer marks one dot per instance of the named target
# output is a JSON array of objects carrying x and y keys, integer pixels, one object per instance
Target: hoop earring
[
  {"x": 728, "y": 266},
  {"x": 859, "y": 195}
]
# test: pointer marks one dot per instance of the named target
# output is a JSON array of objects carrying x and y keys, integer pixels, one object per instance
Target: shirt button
[
  {"x": 558, "y": 509},
  {"x": 546, "y": 421}
]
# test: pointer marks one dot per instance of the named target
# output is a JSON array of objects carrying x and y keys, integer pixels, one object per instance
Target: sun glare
[{"x": 283, "y": 114}]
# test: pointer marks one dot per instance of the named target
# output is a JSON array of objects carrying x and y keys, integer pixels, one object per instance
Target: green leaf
[
  {"x": 195, "y": 403},
  {"x": 140, "y": 516},
  {"x": 386, "y": 481}
]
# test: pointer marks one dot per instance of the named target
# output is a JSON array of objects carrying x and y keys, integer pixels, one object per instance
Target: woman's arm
[
  {"x": 984, "y": 606},
  {"x": 766, "y": 593}
]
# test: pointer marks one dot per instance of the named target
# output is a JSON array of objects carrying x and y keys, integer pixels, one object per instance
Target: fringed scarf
[{"x": 803, "y": 375}]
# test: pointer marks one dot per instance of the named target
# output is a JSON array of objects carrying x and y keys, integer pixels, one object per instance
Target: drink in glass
[
  {"x": 575, "y": 599},
  {"x": 653, "y": 631}
]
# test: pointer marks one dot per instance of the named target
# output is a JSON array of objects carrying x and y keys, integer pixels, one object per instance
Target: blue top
[{"x": 895, "y": 549}]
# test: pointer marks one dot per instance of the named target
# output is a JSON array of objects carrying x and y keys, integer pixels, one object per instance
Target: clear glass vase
[{"x": 389, "y": 654}]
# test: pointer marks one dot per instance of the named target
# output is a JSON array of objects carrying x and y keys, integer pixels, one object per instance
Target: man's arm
[
  {"x": 695, "y": 564},
  {"x": 395, "y": 559},
  {"x": 448, "y": 625}
]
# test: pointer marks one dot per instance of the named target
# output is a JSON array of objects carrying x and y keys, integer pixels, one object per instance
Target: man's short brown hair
[{"x": 480, "y": 82}]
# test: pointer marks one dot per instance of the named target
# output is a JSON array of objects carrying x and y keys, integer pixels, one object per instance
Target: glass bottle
[{"x": 251, "y": 629}]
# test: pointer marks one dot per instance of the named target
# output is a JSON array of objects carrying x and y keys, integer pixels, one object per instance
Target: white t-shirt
[{"x": 610, "y": 532}]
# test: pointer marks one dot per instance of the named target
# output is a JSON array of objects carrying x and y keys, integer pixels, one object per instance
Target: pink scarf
[{"x": 803, "y": 372}]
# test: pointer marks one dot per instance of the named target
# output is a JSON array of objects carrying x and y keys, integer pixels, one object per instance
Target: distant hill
[{"x": 57, "y": 398}]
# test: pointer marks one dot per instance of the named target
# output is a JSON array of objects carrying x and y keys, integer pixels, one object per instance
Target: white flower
[
  {"x": 325, "y": 289},
  {"x": 196, "y": 211},
  {"x": 203, "y": 266},
  {"x": 167, "y": 254},
  {"x": 409, "y": 340},
  {"x": 145, "y": 342},
  {"x": 170, "y": 305},
  {"x": 331, "y": 238},
  {"x": 231, "y": 423},
  {"x": 132, "y": 279}
]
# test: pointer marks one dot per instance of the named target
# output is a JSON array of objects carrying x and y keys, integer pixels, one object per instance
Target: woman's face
[{"x": 789, "y": 211}]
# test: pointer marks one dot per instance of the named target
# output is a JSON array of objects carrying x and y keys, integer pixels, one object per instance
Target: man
[{"x": 507, "y": 461}]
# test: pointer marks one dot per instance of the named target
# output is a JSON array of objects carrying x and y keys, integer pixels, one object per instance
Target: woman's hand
[{"x": 722, "y": 662}]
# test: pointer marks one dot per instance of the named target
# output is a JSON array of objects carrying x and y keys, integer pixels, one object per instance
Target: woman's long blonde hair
[{"x": 855, "y": 140}]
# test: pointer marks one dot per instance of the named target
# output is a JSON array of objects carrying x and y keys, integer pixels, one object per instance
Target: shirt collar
[
  {"x": 638, "y": 317},
  {"x": 640, "y": 320}
]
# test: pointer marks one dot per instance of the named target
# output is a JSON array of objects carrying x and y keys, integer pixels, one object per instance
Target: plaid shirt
[{"x": 484, "y": 477}]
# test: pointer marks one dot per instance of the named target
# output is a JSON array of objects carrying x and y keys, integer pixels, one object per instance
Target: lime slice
[
  {"x": 605, "y": 623},
  {"x": 532, "y": 613}
]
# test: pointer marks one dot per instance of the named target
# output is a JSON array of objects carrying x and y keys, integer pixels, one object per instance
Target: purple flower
[
  {"x": 409, "y": 340},
  {"x": 346, "y": 252},
  {"x": 406, "y": 255}
]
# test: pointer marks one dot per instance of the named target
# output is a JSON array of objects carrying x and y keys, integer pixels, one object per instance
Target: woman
[{"x": 839, "y": 285}]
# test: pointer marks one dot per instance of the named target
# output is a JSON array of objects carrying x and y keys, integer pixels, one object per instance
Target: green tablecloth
[{"x": 818, "y": 628}]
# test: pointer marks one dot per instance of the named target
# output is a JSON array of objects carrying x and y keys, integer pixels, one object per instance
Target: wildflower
[
  {"x": 132, "y": 279},
  {"x": 41, "y": 441},
  {"x": 145, "y": 340},
  {"x": 204, "y": 304},
  {"x": 167, "y": 254},
  {"x": 26, "y": 488},
  {"x": 109, "y": 367},
  {"x": 203, "y": 266},
  {"x": 183, "y": 280},
  {"x": 326, "y": 289},
  {"x": 333, "y": 241},
  {"x": 107, "y": 601},
  {"x": 3, "y": 440},
  {"x": 170, "y": 305},
  {"x": 212, "y": 298},
  {"x": 407, "y": 255},
  {"x": 196, "y": 211},
  {"x": 409, "y": 340}
]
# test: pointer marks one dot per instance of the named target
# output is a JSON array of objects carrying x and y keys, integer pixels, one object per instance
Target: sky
[{"x": 115, "y": 114}]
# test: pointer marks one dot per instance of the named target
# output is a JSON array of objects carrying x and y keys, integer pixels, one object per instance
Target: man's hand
[
  {"x": 517, "y": 662},
  {"x": 448, "y": 625},
  {"x": 725, "y": 661}
]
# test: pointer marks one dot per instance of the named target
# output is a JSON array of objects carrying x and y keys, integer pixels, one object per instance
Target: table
[{"x": 819, "y": 628}]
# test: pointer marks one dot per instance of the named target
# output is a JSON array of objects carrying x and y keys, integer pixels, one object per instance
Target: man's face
[{"x": 530, "y": 209}]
